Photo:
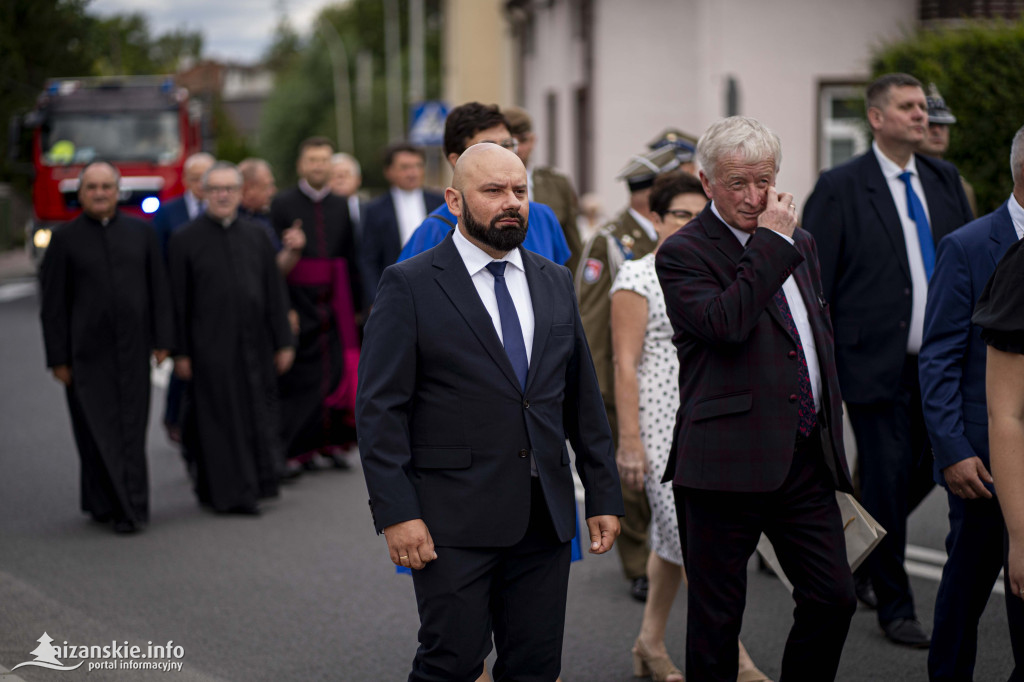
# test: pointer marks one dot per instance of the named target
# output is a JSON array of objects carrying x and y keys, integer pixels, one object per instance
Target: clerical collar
[
  {"x": 315, "y": 195},
  {"x": 223, "y": 222},
  {"x": 102, "y": 221}
]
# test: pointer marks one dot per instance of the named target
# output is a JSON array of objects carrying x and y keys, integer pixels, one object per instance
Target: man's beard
[{"x": 498, "y": 238}]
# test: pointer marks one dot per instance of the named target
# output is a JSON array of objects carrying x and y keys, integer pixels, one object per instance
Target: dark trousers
[
  {"x": 518, "y": 593},
  {"x": 802, "y": 521},
  {"x": 975, "y": 549},
  {"x": 895, "y": 464}
]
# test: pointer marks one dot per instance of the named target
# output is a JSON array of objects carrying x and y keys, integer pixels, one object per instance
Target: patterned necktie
[
  {"x": 511, "y": 331},
  {"x": 808, "y": 415},
  {"x": 924, "y": 231}
]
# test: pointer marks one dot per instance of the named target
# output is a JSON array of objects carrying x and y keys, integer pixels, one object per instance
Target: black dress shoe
[
  {"x": 638, "y": 588},
  {"x": 907, "y": 632},
  {"x": 124, "y": 526},
  {"x": 865, "y": 591},
  {"x": 245, "y": 510}
]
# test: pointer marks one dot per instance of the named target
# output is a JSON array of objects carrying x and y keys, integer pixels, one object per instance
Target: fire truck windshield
[{"x": 124, "y": 136}]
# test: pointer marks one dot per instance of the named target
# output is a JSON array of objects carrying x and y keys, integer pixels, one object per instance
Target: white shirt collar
[
  {"x": 740, "y": 235},
  {"x": 643, "y": 222},
  {"x": 316, "y": 195},
  {"x": 890, "y": 169},
  {"x": 476, "y": 259},
  {"x": 1017, "y": 216}
]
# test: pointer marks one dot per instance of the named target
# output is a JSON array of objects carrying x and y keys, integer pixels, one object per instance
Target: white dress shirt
[
  {"x": 1017, "y": 216},
  {"x": 918, "y": 278},
  {"x": 798, "y": 307},
  {"x": 193, "y": 206},
  {"x": 410, "y": 211},
  {"x": 476, "y": 260}
]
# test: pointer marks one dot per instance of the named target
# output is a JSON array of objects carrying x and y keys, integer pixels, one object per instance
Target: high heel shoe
[{"x": 657, "y": 668}]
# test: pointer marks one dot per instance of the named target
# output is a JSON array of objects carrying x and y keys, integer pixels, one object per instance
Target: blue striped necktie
[
  {"x": 924, "y": 231},
  {"x": 511, "y": 330}
]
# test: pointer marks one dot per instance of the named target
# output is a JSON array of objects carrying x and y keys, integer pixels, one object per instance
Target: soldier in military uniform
[
  {"x": 936, "y": 142},
  {"x": 628, "y": 236},
  {"x": 546, "y": 185}
]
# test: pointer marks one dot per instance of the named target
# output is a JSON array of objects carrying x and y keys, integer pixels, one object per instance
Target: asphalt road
[{"x": 305, "y": 592}]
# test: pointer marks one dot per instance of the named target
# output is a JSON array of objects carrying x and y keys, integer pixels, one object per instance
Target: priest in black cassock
[
  {"x": 105, "y": 308},
  {"x": 233, "y": 341},
  {"x": 318, "y": 394}
]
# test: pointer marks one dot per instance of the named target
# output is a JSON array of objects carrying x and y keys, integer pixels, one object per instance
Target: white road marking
[{"x": 12, "y": 291}]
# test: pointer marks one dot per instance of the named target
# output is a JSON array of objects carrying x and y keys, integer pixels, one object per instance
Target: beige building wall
[
  {"x": 666, "y": 63},
  {"x": 477, "y": 53}
]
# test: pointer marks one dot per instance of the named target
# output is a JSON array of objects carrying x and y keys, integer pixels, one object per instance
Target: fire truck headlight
[
  {"x": 41, "y": 239},
  {"x": 150, "y": 205}
]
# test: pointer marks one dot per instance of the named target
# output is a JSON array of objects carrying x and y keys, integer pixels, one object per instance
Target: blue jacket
[
  {"x": 952, "y": 358},
  {"x": 544, "y": 235}
]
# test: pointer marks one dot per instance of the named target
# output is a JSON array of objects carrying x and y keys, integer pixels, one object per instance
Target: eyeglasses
[
  {"x": 221, "y": 189},
  {"x": 680, "y": 214},
  {"x": 511, "y": 143}
]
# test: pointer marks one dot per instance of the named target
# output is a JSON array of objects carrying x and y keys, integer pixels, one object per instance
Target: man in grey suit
[{"x": 473, "y": 372}]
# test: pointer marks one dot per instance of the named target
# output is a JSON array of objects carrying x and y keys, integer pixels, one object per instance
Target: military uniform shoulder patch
[{"x": 592, "y": 270}]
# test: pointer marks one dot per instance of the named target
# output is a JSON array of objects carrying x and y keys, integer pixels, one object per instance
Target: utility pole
[
  {"x": 393, "y": 50},
  {"x": 342, "y": 94}
]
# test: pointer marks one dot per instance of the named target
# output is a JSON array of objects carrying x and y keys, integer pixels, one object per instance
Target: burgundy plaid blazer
[{"x": 737, "y": 422}]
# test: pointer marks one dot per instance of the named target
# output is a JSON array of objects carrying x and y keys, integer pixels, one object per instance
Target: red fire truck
[{"x": 144, "y": 125}]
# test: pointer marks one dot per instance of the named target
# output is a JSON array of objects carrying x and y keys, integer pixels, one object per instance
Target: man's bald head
[
  {"x": 489, "y": 196},
  {"x": 485, "y": 157}
]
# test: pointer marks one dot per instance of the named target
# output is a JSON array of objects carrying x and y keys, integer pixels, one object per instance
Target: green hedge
[{"x": 979, "y": 68}]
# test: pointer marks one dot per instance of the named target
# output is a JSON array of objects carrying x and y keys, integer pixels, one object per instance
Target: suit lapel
[
  {"x": 457, "y": 285},
  {"x": 881, "y": 200},
  {"x": 543, "y": 312},
  {"x": 394, "y": 234},
  {"x": 725, "y": 241},
  {"x": 1002, "y": 234}
]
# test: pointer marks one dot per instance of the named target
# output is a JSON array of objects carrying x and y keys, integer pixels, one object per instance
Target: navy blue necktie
[
  {"x": 511, "y": 330},
  {"x": 924, "y": 231}
]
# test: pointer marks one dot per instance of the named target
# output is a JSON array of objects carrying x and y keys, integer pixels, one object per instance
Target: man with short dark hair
[
  {"x": 470, "y": 124},
  {"x": 758, "y": 443},
  {"x": 325, "y": 290},
  {"x": 233, "y": 341},
  {"x": 390, "y": 220},
  {"x": 877, "y": 219},
  {"x": 474, "y": 373},
  {"x": 105, "y": 308}
]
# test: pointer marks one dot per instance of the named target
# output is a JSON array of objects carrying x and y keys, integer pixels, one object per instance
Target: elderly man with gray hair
[
  {"x": 758, "y": 444},
  {"x": 233, "y": 338}
]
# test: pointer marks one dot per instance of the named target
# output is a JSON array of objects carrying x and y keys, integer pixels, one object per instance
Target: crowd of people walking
[{"x": 693, "y": 357}]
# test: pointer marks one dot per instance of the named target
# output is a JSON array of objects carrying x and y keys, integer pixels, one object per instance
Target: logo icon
[{"x": 46, "y": 656}]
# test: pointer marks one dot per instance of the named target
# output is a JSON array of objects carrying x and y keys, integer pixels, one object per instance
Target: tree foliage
[
  {"x": 976, "y": 66},
  {"x": 302, "y": 103}
]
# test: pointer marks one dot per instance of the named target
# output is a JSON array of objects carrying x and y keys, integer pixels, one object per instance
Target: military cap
[
  {"x": 685, "y": 145},
  {"x": 641, "y": 170},
  {"x": 938, "y": 112}
]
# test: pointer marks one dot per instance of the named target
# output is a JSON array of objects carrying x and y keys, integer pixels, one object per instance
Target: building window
[
  {"x": 841, "y": 126},
  {"x": 971, "y": 9}
]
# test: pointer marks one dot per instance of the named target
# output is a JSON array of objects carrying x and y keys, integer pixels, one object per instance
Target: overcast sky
[{"x": 235, "y": 30}]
